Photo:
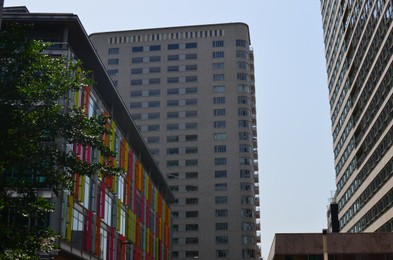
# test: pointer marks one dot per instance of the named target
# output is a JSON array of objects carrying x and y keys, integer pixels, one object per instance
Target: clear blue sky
[{"x": 295, "y": 144}]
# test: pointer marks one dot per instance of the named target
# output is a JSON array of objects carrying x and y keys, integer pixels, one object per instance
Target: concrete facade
[
  {"x": 359, "y": 56},
  {"x": 191, "y": 92}
]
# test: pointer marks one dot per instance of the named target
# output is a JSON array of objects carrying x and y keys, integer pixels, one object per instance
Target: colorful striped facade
[{"x": 109, "y": 217}]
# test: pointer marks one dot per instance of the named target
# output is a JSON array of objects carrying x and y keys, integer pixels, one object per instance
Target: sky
[{"x": 294, "y": 132}]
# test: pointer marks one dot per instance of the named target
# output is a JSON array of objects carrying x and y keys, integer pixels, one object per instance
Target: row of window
[
  {"x": 218, "y": 174},
  {"x": 220, "y": 253},
  {"x": 174, "y": 46}
]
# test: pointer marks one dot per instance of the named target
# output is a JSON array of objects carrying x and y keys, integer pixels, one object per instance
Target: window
[
  {"x": 191, "y": 150},
  {"x": 192, "y": 101},
  {"x": 192, "y": 162},
  {"x": 175, "y": 254},
  {"x": 173, "y": 57},
  {"x": 191, "y": 78},
  {"x": 155, "y": 151},
  {"x": 154, "y": 92},
  {"x": 245, "y": 186},
  {"x": 219, "y": 43},
  {"x": 245, "y": 136},
  {"x": 191, "y": 113},
  {"x": 137, "y": 49},
  {"x": 172, "y": 127},
  {"x": 191, "y": 201},
  {"x": 137, "y": 71},
  {"x": 173, "y": 46},
  {"x": 222, "y": 226},
  {"x": 113, "y": 61},
  {"x": 220, "y": 161},
  {"x": 172, "y": 91},
  {"x": 192, "y": 240},
  {"x": 114, "y": 83},
  {"x": 219, "y": 112},
  {"x": 154, "y": 70},
  {"x": 219, "y": 100},
  {"x": 191, "y": 56},
  {"x": 220, "y": 174},
  {"x": 219, "y": 124},
  {"x": 247, "y": 200},
  {"x": 172, "y": 103},
  {"x": 113, "y": 72},
  {"x": 113, "y": 51},
  {"x": 245, "y": 173},
  {"x": 220, "y": 136},
  {"x": 191, "y": 175},
  {"x": 241, "y": 43},
  {"x": 218, "y": 54},
  {"x": 172, "y": 176},
  {"x": 243, "y": 76},
  {"x": 218, "y": 77},
  {"x": 136, "y": 116},
  {"x": 136, "y": 82},
  {"x": 191, "y": 138},
  {"x": 191, "y": 67},
  {"x": 154, "y": 104},
  {"x": 135, "y": 104},
  {"x": 221, "y": 213},
  {"x": 153, "y": 139},
  {"x": 248, "y": 226},
  {"x": 244, "y": 112},
  {"x": 218, "y": 66},
  {"x": 155, "y": 48},
  {"x": 172, "y": 138},
  {"x": 243, "y": 88},
  {"x": 136, "y": 93},
  {"x": 220, "y": 186},
  {"x": 191, "y": 188},
  {"x": 192, "y": 214},
  {"x": 192, "y": 227},
  {"x": 191, "y": 45},
  {"x": 155, "y": 58},
  {"x": 221, "y": 199},
  {"x": 172, "y": 163},
  {"x": 222, "y": 253},
  {"x": 220, "y": 148},
  {"x": 191, "y": 90},
  {"x": 173, "y": 80},
  {"x": 173, "y": 68},
  {"x": 247, "y": 213},
  {"x": 245, "y": 148},
  {"x": 243, "y": 100},
  {"x": 241, "y": 54},
  {"x": 221, "y": 240},
  {"x": 243, "y": 65},
  {"x": 192, "y": 254},
  {"x": 153, "y": 128},
  {"x": 248, "y": 253},
  {"x": 175, "y": 214},
  {"x": 137, "y": 60},
  {"x": 244, "y": 123},
  {"x": 173, "y": 150},
  {"x": 192, "y": 125},
  {"x": 172, "y": 114}
]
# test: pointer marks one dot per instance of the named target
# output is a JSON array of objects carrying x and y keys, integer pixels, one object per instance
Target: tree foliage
[{"x": 37, "y": 124}]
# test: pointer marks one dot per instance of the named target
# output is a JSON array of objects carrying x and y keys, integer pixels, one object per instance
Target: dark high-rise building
[
  {"x": 358, "y": 36},
  {"x": 191, "y": 92}
]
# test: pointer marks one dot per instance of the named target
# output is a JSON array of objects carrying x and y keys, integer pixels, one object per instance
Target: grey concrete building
[
  {"x": 359, "y": 53},
  {"x": 191, "y": 92}
]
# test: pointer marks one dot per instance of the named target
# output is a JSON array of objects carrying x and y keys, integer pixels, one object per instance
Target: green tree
[{"x": 36, "y": 125}]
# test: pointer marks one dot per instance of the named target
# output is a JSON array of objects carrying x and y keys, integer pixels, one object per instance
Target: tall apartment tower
[
  {"x": 191, "y": 92},
  {"x": 358, "y": 36}
]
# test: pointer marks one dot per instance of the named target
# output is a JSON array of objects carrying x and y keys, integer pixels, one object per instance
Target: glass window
[
  {"x": 154, "y": 92},
  {"x": 191, "y": 45},
  {"x": 244, "y": 123},
  {"x": 245, "y": 136},
  {"x": 222, "y": 253},
  {"x": 220, "y": 148},
  {"x": 153, "y": 115},
  {"x": 221, "y": 199},
  {"x": 113, "y": 72},
  {"x": 191, "y": 188},
  {"x": 221, "y": 240},
  {"x": 221, "y": 213},
  {"x": 137, "y": 49},
  {"x": 243, "y": 88},
  {"x": 191, "y": 150},
  {"x": 218, "y": 77},
  {"x": 172, "y": 163},
  {"x": 155, "y": 48},
  {"x": 173, "y": 57},
  {"x": 113, "y": 51},
  {"x": 219, "y": 100},
  {"x": 154, "y": 81},
  {"x": 220, "y": 174},
  {"x": 136, "y": 116},
  {"x": 191, "y": 78},
  {"x": 191, "y": 90},
  {"x": 191, "y": 201},
  {"x": 245, "y": 173},
  {"x": 241, "y": 43},
  {"x": 220, "y": 136},
  {"x": 173, "y": 46},
  {"x": 191, "y": 67},
  {"x": 247, "y": 200},
  {"x": 245, "y": 186},
  {"x": 154, "y": 104},
  {"x": 192, "y": 240},
  {"x": 153, "y": 139},
  {"x": 219, "y": 112},
  {"x": 136, "y": 82},
  {"x": 135, "y": 104},
  {"x": 191, "y": 175},
  {"x": 154, "y": 70},
  {"x": 243, "y": 65},
  {"x": 219, "y": 43},
  {"x": 245, "y": 148},
  {"x": 244, "y": 112},
  {"x": 173, "y": 68},
  {"x": 241, "y": 54},
  {"x": 247, "y": 213},
  {"x": 219, "y": 89},
  {"x": 218, "y": 66},
  {"x": 219, "y": 124},
  {"x": 136, "y": 93},
  {"x": 172, "y": 114},
  {"x": 222, "y": 226},
  {"x": 173, "y": 80},
  {"x": 248, "y": 253},
  {"x": 191, "y": 113},
  {"x": 172, "y": 127},
  {"x": 155, "y": 58},
  {"x": 137, "y": 71},
  {"x": 172, "y": 91},
  {"x": 113, "y": 61},
  {"x": 220, "y": 186},
  {"x": 248, "y": 226},
  {"x": 172, "y": 138},
  {"x": 190, "y": 138},
  {"x": 192, "y": 125},
  {"x": 137, "y": 60},
  {"x": 220, "y": 161},
  {"x": 243, "y": 100},
  {"x": 218, "y": 54},
  {"x": 243, "y": 76},
  {"x": 153, "y": 127},
  {"x": 172, "y": 103},
  {"x": 192, "y": 254},
  {"x": 173, "y": 150},
  {"x": 191, "y": 56},
  {"x": 191, "y": 162},
  {"x": 171, "y": 176}
]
